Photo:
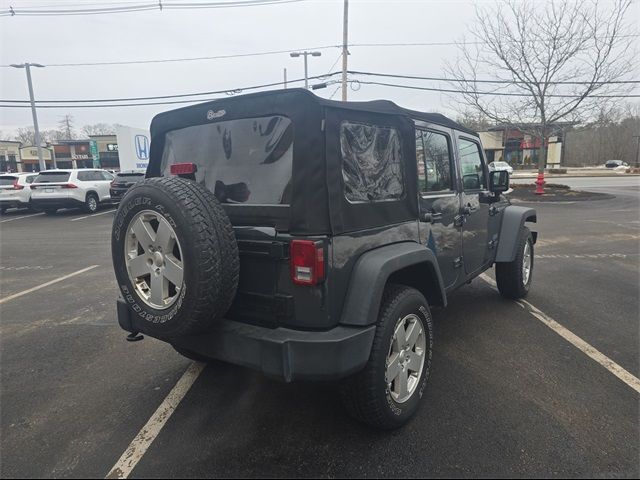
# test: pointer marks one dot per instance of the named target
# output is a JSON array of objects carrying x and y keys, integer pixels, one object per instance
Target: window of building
[
  {"x": 371, "y": 162},
  {"x": 471, "y": 165},
  {"x": 433, "y": 154}
]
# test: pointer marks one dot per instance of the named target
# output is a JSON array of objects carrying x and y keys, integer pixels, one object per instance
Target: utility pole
[
  {"x": 27, "y": 67},
  {"x": 345, "y": 50},
  {"x": 305, "y": 54},
  {"x": 637, "y": 137}
]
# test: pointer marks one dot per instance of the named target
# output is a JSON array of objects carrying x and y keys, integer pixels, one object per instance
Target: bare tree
[
  {"x": 26, "y": 135},
  {"x": 473, "y": 120},
  {"x": 612, "y": 136},
  {"x": 554, "y": 62},
  {"x": 53, "y": 135},
  {"x": 99, "y": 129},
  {"x": 65, "y": 125}
]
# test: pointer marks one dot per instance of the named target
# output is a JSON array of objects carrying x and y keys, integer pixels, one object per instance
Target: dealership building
[
  {"x": 519, "y": 149},
  {"x": 9, "y": 155},
  {"x": 62, "y": 154}
]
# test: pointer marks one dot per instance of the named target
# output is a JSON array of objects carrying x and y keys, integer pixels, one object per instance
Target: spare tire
[{"x": 175, "y": 256}]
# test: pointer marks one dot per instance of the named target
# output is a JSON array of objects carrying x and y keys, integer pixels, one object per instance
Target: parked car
[
  {"x": 500, "y": 166},
  {"x": 615, "y": 163},
  {"x": 84, "y": 188},
  {"x": 314, "y": 246},
  {"x": 15, "y": 191},
  {"x": 122, "y": 182}
]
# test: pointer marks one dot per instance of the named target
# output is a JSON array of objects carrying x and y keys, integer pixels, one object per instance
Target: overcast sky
[{"x": 175, "y": 34}]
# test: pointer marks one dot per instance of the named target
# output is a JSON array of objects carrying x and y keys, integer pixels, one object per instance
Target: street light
[
  {"x": 27, "y": 67},
  {"x": 305, "y": 54}
]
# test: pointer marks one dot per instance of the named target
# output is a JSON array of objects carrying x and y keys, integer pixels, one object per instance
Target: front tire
[
  {"x": 514, "y": 278},
  {"x": 387, "y": 393}
]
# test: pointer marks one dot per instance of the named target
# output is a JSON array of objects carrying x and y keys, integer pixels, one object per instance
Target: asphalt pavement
[{"x": 508, "y": 396}]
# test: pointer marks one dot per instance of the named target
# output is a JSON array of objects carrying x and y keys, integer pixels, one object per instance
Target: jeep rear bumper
[{"x": 281, "y": 353}]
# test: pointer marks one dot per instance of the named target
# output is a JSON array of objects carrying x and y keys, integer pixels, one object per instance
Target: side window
[
  {"x": 84, "y": 176},
  {"x": 471, "y": 165},
  {"x": 31, "y": 178},
  {"x": 106, "y": 176},
  {"x": 434, "y": 162},
  {"x": 372, "y": 167}
]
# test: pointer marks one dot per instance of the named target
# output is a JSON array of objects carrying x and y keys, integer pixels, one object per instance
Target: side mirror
[{"x": 498, "y": 181}]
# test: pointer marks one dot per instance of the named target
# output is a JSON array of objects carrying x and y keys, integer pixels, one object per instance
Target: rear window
[
  {"x": 242, "y": 161},
  {"x": 52, "y": 177},
  {"x": 7, "y": 180}
]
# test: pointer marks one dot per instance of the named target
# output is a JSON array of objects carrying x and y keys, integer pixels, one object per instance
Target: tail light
[
  {"x": 68, "y": 185},
  {"x": 183, "y": 168},
  {"x": 16, "y": 186},
  {"x": 307, "y": 262}
]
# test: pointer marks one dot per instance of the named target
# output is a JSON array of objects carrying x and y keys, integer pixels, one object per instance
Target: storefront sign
[
  {"x": 133, "y": 148},
  {"x": 93, "y": 147}
]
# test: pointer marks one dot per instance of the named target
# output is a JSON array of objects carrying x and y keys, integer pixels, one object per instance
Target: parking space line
[
  {"x": 19, "y": 218},
  {"x": 576, "y": 341},
  {"x": 92, "y": 215},
  {"x": 145, "y": 437},
  {"x": 56, "y": 280}
]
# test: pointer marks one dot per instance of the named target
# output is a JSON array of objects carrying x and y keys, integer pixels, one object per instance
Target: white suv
[
  {"x": 14, "y": 190},
  {"x": 84, "y": 188}
]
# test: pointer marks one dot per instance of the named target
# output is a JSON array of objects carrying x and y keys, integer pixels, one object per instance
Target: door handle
[{"x": 431, "y": 217}]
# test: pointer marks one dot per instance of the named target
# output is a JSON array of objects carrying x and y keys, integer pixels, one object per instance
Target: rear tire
[
  {"x": 512, "y": 278},
  {"x": 91, "y": 203},
  {"x": 372, "y": 396}
]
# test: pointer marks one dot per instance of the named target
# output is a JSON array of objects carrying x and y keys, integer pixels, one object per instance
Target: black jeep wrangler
[{"x": 308, "y": 239}]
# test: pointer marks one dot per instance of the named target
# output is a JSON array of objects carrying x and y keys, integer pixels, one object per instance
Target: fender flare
[
  {"x": 513, "y": 219},
  {"x": 373, "y": 269},
  {"x": 89, "y": 192}
]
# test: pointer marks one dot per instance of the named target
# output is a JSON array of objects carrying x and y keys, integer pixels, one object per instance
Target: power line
[
  {"x": 319, "y": 77},
  {"x": 253, "y": 54},
  {"x": 496, "y": 81},
  {"x": 449, "y": 43},
  {"x": 188, "y": 59},
  {"x": 232, "y": 91},
  {"x": 98, "y": 103},
  {"x": 473, "y": 92},
  {"x": 139, "y": 7}
]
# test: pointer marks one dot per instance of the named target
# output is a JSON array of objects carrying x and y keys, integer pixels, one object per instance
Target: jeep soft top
[{"x": 307, "y": 238}]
